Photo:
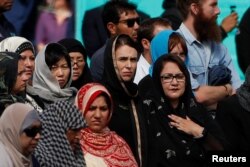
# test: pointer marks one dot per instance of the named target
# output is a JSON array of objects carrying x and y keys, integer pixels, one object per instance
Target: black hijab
[
  {"x": 8, "y": 76},
  {"x": 73, "y": 45}
]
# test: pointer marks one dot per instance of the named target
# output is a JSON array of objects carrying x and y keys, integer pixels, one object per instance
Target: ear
[
  {"x": 112, "y": 28},
  {"x": 145, "y": 43},
  {"x": 194, "y": 7}
]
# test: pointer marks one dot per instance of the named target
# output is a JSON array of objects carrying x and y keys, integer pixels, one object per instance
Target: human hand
[
  {"x": 229, "y": 89},
  {"x": 186, "y": 125},
  {"x": 230, "y": 22}
]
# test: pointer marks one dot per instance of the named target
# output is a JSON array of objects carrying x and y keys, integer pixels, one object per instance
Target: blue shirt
[{"x": 205, "y": 55}]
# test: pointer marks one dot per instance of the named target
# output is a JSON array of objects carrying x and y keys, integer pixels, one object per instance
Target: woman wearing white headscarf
[
  {"x": 53, "y": 74},
  {"x": 19, "y": 135}
]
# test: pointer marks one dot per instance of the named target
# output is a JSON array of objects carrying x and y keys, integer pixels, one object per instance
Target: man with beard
[
  {"x": 203, "y": 36},
  {"x": 6, "y": 28}
]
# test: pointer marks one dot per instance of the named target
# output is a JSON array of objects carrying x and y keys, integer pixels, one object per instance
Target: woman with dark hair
[
  {"x": 120, "y": 61},
  {"x": 78, "y": 56},
  {"x": 179, "y": 129},
  {"x": 53, "y": 75},
  {"x": 101, "y": 146},
  {"x": 12, "y": 79}
]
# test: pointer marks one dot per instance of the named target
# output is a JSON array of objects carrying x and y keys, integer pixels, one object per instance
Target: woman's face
[
  {"x": 61, "y": 71},
  {"x": 29, "y": 138},
  {"x": 73, "y": 136},
  {"x": 126, "y": 60},
  {"x": 21, "y": 79},
  {"x": 97, "y": 115},
  {"x": 28, "y": 59},
  {"x": 178, "y": 50},
  {"x": 78, "y": 64},
  {"x": 172, "y": 81}
]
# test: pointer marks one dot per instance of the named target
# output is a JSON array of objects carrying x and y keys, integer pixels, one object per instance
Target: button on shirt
[{"x": 203, "y": 56}]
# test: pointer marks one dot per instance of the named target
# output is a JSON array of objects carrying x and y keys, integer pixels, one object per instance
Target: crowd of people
[{"x": 159, "y": 91}]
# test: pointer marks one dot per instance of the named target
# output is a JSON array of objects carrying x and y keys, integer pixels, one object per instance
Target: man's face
[
  {"x": 205, "y": 21},
  {"x": 5, "y": 5},
  {"x": 128, "y": 24}
]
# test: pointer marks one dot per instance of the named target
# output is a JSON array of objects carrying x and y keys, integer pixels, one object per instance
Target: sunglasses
[
  {"x": 32, "y": 132},
  {"x": 131, "y": 22}
]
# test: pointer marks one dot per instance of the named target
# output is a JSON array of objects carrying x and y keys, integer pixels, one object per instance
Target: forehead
[
  {"x": 170, "y": 67},
  {"x": 128, "y": 14},
  {"x": 126, "y": 51}
]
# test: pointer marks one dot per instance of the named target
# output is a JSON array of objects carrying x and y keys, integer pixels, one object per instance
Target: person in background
[
  {"x": 23, "y": 16},
  {"x": 52, "y": 23},
  {"x": 59, "y": 144},
  {"x": 233, "y": 114},
  {"x": 53, "y": 75},
  {"x": 148, "y": 29},
  {"x": 172, "y": 13},
  {"x": 101, "y": 147},
  {"x": 78, "y": 56},
  {"x": 120, "y": 62},
  {"x": 20, "y": 128},
  {"x": 26, "y": 52},
  {"x": 93, "y": 29},
  {"x": 13, "y": 79},
  {"x": 179, "y": 129},
  {"x": 203, "y": 39},
  {"x": 6, "y": 28},
  {"x": 119, "y": 17},
  {"x": 241, "y": 40}
]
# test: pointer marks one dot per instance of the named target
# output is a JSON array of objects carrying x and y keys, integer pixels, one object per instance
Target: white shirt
[{"x": 142, "y": 69}]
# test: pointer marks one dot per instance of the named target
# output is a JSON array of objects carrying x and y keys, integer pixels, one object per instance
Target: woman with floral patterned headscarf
[{"x": 101, "y": 147}]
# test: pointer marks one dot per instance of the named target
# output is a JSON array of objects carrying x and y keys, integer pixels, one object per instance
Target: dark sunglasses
[
  {"x": 32, "y": 132},
  {"x": 131, "y": 22}
]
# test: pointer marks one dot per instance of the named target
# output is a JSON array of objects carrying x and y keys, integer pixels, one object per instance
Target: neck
[
  {"x": 175, "y": 103},
  {"x": 146, "y": 54}
]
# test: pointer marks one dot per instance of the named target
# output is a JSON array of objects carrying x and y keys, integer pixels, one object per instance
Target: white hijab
[
  {"x": 46, "y": 85},
  {"x": 11, "y": 123},
  {"x": 11, "y": 44}
]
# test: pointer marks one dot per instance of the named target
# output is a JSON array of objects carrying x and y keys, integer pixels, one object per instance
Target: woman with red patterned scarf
[{"x": 101, "y": 147}]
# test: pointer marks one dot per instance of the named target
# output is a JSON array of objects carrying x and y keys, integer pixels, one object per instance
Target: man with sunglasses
[{"x": 119, "y": 17}]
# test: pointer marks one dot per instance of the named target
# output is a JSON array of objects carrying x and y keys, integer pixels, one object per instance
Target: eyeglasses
[
  {"x": 32, "y": 132},
  {"x": 77, "y": 62},
  {"x": 167, "y": 78},
  {"x": 131, "y": 22}
]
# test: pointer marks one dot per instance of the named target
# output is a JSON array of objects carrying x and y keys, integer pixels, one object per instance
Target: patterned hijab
[
  {"x": 243, "y": 93},
  {"x": 45, "y": 84},
  {"x": 16, "y": 44},
  {"x": 54, "y": 148},
  {"x": 106, "y": 145},
  {"x": 11, "y": 124},
  {"x": 8, "y": 76}
]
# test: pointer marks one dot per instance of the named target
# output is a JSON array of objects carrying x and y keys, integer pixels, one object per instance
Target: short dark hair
[
  {"x": 147, "y": 27},
  {"x": 183, "y": 6},
  {"x": 55, "y": 52},
  {"x": 112, "y": 11}
]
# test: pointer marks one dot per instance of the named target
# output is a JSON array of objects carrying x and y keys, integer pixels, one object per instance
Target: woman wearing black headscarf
[
  {"x": 120, "y": 61},
  {"x": 179, "y": 129},
  {"x": 78, "y": 56},
  {"x": 233, "y": 114}
]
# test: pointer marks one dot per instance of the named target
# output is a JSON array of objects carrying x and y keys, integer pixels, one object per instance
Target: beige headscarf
[{"x": 10, "y": 129}]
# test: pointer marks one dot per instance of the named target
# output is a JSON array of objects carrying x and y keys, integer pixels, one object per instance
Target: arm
[{"x": 209, "y": 95}]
